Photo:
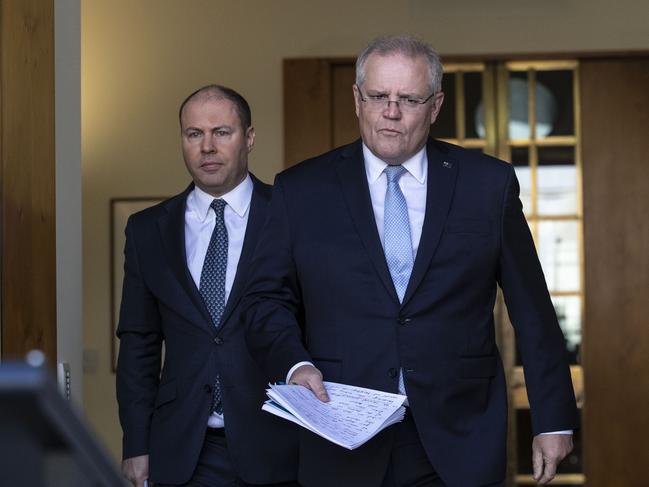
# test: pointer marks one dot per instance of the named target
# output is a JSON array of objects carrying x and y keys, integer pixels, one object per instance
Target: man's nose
[
  {"x": 208, "y": 145},
  {"x": 392, "y": 110}
]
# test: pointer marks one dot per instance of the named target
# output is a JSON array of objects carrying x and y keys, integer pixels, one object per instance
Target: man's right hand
[
  {"x": 311, "y": 378},
  {"x": 136, "y": 470}
]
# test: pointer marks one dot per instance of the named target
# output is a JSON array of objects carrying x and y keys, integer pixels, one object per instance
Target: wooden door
[{"x": 615, "y": 135}]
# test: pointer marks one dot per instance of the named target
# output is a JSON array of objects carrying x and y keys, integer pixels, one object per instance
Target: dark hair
[{"x": 221, "y": 92}]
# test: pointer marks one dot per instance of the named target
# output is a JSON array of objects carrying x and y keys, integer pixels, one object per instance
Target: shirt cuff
[
  {"x": 296, "y": 366},
  {"x": 562, "y": 432}
]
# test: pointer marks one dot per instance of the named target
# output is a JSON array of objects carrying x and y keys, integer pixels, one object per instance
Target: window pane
[
  {"x": 472, "y": 99},
  {"x": 558, "y": 248},
  {"x": 557, "y": 181},
  {"x": 519, "y": 127},
  {"x": 520, "y": 158},
  {"x": 556, "y": 105},
  {"x": 444, "y": 127},
  {"x": 568, "y": 309}
]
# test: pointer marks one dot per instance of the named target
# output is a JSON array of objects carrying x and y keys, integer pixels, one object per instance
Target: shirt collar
[
  {"x": 238, "y": 199},
  {"x": 417, "y": 165}
]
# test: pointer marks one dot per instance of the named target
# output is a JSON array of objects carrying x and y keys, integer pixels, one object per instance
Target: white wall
[{"x": 141, "y": 58}]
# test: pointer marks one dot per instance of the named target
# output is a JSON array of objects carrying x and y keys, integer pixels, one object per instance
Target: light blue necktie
[
  {"x": 397, "y": 243},
  {"x": 212, "y": 286}
]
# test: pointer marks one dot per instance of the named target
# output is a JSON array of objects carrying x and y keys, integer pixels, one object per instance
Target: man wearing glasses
[{"x": 380, "y": 270}]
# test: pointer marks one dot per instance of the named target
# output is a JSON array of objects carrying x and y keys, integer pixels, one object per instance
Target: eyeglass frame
[{"x": 417, "y": 102}]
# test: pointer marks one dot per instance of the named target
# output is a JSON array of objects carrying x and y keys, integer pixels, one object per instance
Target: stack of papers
[{"x": 352, "y": 416}]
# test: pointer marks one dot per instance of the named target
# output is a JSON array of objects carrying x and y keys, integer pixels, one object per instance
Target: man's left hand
[{"x": 547, "y": 453}]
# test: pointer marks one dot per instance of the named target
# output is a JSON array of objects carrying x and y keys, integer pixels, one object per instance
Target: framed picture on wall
[{"x": 120, "y": 210}]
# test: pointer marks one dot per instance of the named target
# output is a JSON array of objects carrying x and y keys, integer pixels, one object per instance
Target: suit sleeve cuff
[{"x": 295, "y": 367}]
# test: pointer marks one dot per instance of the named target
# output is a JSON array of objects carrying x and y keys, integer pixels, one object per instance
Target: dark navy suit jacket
[
  {"x": 320, "y": 290},
  {"x": 165, "y": 414}
]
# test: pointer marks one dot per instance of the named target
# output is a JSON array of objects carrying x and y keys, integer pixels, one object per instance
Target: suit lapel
[
  {"x": 172, "y": 234},
  {"x": 440, "y": 184},
  {"x": 353, "y": 180},
  {"x": 256, "y": 219}
]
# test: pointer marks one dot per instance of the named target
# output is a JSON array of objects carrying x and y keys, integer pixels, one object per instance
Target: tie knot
[
  {"x": 218, "y": 206},
  {"x": 393, "y": 173}
]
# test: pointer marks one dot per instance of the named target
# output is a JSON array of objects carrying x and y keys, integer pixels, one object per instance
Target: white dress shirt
[
  {"x": 199, "y": 224},
  {"x": 413, "y": 187}
]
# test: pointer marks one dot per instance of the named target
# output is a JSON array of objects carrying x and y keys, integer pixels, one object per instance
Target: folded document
[{"x": 352, "y": 416}]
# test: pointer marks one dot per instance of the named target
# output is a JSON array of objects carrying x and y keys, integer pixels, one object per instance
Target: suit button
[
  {"x": 392, "y": 372},
  {"x": 405, "y": 321},
  {"x": 207, "y": 388},
  {"x": 218, "y": 340}
]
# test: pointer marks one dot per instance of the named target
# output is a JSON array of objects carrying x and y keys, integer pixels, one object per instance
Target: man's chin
[
  {"x": 390, "y": 155},
  {"x": 212, "y": 186}
]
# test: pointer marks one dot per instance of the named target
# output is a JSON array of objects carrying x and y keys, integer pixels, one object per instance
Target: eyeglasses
[{"x": 382, "y": 101}]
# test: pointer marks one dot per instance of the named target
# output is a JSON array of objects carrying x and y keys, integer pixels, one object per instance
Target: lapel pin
[{"x": 447, "y": 165}]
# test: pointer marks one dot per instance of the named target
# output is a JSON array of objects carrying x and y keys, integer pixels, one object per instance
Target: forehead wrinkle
[
  {"x": 202, "y": 100},
  {"x": 390, "y": 70},
  {"x": 209, "y": 127},
  {"x": 399, "y": 93}
]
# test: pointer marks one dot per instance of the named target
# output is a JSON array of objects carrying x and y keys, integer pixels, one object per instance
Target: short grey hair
[{"x": 407, "y": 46}]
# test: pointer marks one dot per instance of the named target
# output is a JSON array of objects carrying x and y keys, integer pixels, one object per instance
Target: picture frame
[{"x": 120, "y": 210}]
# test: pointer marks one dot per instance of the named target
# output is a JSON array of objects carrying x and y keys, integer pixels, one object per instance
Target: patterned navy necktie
[
  {"x": 397, "y": 243},
  {"x": 212, "y": 285}
]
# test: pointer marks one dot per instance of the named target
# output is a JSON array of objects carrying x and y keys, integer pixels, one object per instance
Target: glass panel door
[{"x": 527, "y": 113}]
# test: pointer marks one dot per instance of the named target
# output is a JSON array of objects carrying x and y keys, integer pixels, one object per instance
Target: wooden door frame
[{"x": 27, "y": 179}]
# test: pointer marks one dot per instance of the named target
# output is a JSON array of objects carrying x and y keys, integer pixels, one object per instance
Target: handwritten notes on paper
[{"x": 351, "y": 417}]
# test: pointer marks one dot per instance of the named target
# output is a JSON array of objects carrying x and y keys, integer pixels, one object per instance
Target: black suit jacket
[
  {"x": 164, "y": 414},
  {"x": 321, "y": 291}
]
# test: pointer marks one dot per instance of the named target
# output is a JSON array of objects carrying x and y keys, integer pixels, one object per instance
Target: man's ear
[
  {"x": 250, "y": 138},
  {"x": 357, "y": 98},
  {"x": 437, "y": 102}
]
